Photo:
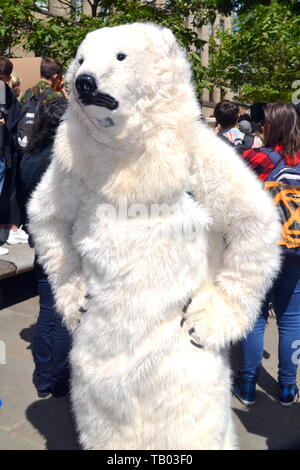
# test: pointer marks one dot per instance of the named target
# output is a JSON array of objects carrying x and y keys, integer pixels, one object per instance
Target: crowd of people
[
  {"x": 265, "y": 138},
  {"x": 16, "y": 121},
  {"x": 28, "y": 128}
]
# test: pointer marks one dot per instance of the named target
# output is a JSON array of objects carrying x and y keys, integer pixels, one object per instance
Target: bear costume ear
[
  {"x": 169, "y": 41},
  {"x": 168, "y": 36}
]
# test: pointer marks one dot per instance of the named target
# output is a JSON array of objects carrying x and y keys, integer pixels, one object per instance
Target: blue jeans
[
  {"x": 51, "y": 344},
  {"x": 285, "y": 297},
  {"x": 2, "y": 171}
]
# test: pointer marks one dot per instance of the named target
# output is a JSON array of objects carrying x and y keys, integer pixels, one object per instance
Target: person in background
[
  {"x": 50, "y": 85},
  {"x": 51, "y": 78},
  {"x": 251, "y": 139},
  {"x": 227, "y": 116},
  {"x": 15, "y": 84},
  {"x": 257, "y": 117},
  {"x": 244, "y": 117},
  {"x": 52, "y": 341},
  {"x": 10, "y": 214},
  {"x": 281, "y": 132}
]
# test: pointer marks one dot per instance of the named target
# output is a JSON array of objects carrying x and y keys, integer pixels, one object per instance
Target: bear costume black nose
[{"x": 85, "y": 83}]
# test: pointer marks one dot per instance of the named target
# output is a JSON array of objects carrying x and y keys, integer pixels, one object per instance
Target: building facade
[{"x": 210, "y": 97}]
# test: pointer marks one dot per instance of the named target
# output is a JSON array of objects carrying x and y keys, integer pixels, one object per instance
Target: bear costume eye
[
  {"x": 121, "y": 56},
  {"x": 80, "y": 61}
]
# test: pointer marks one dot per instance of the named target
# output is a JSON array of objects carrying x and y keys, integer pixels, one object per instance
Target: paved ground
[
  {"x": 27, "y": 422},
  {"x": 18, "y": 260}
]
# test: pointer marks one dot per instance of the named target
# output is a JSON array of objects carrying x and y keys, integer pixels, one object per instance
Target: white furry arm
[
  {"x": 52, "y": 211},
  {"x": 244, "y": 216}
]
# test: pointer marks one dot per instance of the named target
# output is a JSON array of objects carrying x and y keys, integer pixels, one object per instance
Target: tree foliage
[
  {"x": 243, "y": 6},
  {"x": 261, "y": 55},
  {"x": 23, "y": 21},
  {"x": 16, "y": 20}
]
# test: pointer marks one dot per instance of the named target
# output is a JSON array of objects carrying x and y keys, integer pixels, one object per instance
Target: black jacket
[
  {"x": 10, "y": 203},
  {"x": 33, "y": 166},
  {"x": 10, "y": 127}
]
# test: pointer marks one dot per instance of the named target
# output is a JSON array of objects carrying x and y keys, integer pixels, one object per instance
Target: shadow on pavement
[
  {"x": 279, "y": 425},
  {"x": 267, "y": 418},
  {"x": 27, "y": 335},
  {"x": 17, "y": 289},
  {"x": 52, "y": 417}
]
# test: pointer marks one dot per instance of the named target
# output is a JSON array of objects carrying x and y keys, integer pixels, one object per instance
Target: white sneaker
[
  {"x": 20, "y": 236},
  {"x": 3, "y": 251}
]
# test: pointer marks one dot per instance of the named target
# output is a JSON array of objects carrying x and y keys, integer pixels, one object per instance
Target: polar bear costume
[{"x": 142, "y": 209}]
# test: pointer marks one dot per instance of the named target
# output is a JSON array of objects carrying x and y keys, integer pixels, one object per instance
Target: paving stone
[
  {"x": 17, "y": 331},
  {"x": 50, "y": 422},
  {"x": 267, "y": 424},
  {"x": 47, "y": 423},
  {"x": 7, "y": 268},
  {"x": 9, "y": 441},
  {"x": 29, "y": 307},
  {"x": 17, "y": 289},
  {"x": 16, "y": 391},
  {"x": 20, "y": 256}
]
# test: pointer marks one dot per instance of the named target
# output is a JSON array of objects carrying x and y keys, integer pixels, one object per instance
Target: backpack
[
  {"x": 239, "y": 144},
  {"x": 283, "y": 183},
  {"x": 28, "y": 115}
]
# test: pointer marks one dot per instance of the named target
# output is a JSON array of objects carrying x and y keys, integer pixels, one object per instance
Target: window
[
  {"x": 211, "y": 95},
  {"x": 236, "y": 91},
  {"x": 209, "y": 53},
  {"x": 43, "y": 5},
  {"x": 6, "y": 52},
  {"x": 222, "y": 25},
  {"x": 223, "y": 93},
  {"x": 210, "y": 29},
  {"x": 76, "y": 5}
]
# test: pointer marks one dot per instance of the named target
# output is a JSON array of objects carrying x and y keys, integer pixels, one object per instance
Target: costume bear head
[
  {"x": 130, "y": 113},
  {"x": 128, "y": 69}
]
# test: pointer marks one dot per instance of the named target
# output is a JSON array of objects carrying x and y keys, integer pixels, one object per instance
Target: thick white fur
[{"x": 138, "y": 380}]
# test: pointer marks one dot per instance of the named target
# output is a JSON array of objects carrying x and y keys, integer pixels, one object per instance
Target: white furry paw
[
  {"x": 72, "y": 320},
  {"x": 212, "y": 320},
  {"x": 71, "y": 302}
]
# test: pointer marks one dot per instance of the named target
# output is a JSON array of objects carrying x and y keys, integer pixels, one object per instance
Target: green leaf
[{"x": 262, "y": 55}]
